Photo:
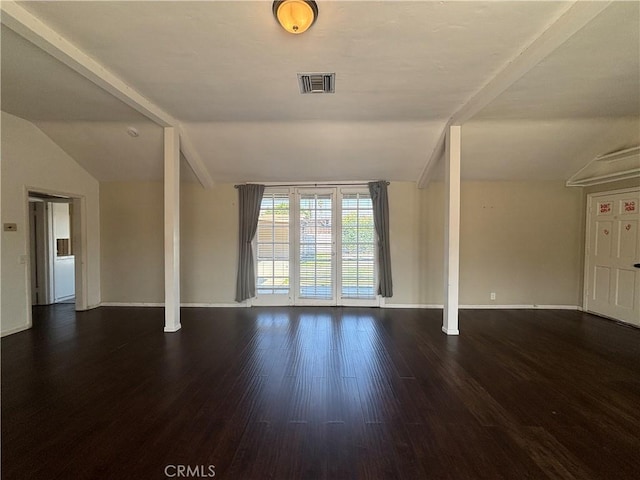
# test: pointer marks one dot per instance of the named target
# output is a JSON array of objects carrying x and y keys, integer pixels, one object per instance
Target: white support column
[
  {"x": 452, "y": 231},
  {"x": 171, "y": 229}
]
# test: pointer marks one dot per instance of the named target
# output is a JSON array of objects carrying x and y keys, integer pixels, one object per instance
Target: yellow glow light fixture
[{"x": 295, "y": 16}]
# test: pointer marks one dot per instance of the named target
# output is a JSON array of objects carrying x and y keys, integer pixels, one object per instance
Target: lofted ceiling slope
[{"x": 227, "y": 72}]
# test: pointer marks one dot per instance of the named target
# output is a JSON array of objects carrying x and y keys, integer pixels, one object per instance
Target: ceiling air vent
[{"x": 317, "y": 82}]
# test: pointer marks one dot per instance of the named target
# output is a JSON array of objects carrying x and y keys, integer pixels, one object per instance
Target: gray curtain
[
  {"x": 380, "y": 201},
  {"x": 250, "y": 198}
]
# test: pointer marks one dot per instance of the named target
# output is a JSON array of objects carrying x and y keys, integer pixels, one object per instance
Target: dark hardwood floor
[{"x": 331, "y": 393}]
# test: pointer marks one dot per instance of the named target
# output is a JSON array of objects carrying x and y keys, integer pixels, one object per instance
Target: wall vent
[{"x": 317, "y": 82}]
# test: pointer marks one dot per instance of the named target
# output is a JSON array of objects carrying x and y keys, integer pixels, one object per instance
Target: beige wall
[
  {"x": 522, "y": 240},
  {"x": 132, "y": 239},
  {"x": 209, "y": 236},
  {"x": 405, "y": 208},
  {"x": 431, "y": 243},
  {"x": 30, "y": 160}
]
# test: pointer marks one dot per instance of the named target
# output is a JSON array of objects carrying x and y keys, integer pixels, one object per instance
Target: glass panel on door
[
  {"x": 272, "y": 245},
  {"x": 316, "y": 259},
  {"x": 358, "y": 247}
]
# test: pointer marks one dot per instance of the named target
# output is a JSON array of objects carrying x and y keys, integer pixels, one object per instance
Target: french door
[
  {"x": 315, "y": 250},
  {"x": 316, "y": 246}
]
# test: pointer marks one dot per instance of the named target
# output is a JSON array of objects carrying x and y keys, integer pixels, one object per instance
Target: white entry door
[{"x": 612, "y": 253}]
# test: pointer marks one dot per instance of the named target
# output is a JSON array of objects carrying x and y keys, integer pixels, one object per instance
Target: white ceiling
[
  {"x": 595, "y": 74},
  {"x": 227, "y": 71}
]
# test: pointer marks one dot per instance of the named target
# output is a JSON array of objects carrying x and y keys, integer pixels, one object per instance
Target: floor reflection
[{"x": 322, "y": 367}]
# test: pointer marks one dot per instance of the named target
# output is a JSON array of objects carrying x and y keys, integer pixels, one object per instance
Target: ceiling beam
[
  {"x": 436, "y": 155},
  {"x": 579, "y": 14},
  {"x": 44, "y": 37},
  {"x": 194, "y": 160}
]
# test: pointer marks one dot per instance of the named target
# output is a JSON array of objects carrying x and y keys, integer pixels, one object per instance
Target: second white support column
[
  {"x": 452, "y": 231},
  {"x": 171, "y": 230}
]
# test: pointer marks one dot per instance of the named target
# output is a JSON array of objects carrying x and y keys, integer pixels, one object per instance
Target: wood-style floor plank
[{"x": 320, "y": 393}]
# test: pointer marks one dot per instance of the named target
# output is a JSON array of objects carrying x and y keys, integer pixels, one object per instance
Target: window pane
[
  {"x": 281, "y": 269},
  {"x": 272, "y": 239},
  {"x": 365, "y": 251},
  {"x": 281, "y": 233},
  {"x": 265, "y": 231},
  {"x": 365, "y": 202},
  {"x": 358, "y": 247},
  {"x": 281, "y": 251},
  {"x": 265, "y": 251},
  {"x": 267, "y": 203},
  {"x": 265, "y": 268},
  {"x": 307, "y": 203}
]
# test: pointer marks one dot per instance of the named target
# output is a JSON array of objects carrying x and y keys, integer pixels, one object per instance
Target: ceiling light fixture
[{"x": 295, "y": 16}]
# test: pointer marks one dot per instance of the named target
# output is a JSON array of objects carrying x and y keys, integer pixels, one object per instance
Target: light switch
[{"x": 10, "y": 227}]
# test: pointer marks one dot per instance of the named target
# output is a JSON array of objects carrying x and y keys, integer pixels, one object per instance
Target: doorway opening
[{"x": 53, "y": 246}]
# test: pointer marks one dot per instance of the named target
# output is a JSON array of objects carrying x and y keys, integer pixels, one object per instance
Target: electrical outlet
[{"x": 493, "y": 295}]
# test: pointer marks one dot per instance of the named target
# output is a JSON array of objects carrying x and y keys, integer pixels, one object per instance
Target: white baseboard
[
  {"x": 486, "y": 307},
  {"x": 161, "y": 304},
  {"x": 89, "y": 307},
  {"x": 559, "y": 307},
  {"x": 411, "y": 305},
  {"x": 131, "y": 304},
  {"x": 520, "y": 307},
  {"x": 451, "y": 331},
  {"x": 13, "y": 330},
  {"x": 386, "y": 305},
  {"x": 215, "y": 305}
]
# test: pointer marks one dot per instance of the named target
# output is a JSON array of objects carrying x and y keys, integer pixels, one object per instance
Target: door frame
[
  {"x": 79, "y": 232},
  {"x": 39, "y": 251},
  {"x": 280, "y": 299},
  {"x": 298, "y": 192},
  {"x": 294, "y": 250},
  {"x": 353, "y": 302},
  {"x": 588, "y": 227}
]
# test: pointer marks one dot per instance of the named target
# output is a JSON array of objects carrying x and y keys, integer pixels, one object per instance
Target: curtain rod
[{"x": 356, "y": 184}]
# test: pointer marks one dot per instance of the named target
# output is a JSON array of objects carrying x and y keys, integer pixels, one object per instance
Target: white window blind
[
  {"x": 272, "y": 245},
  {"x": 358, "y": 246},
  {"x": 316, "y": 246}
]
